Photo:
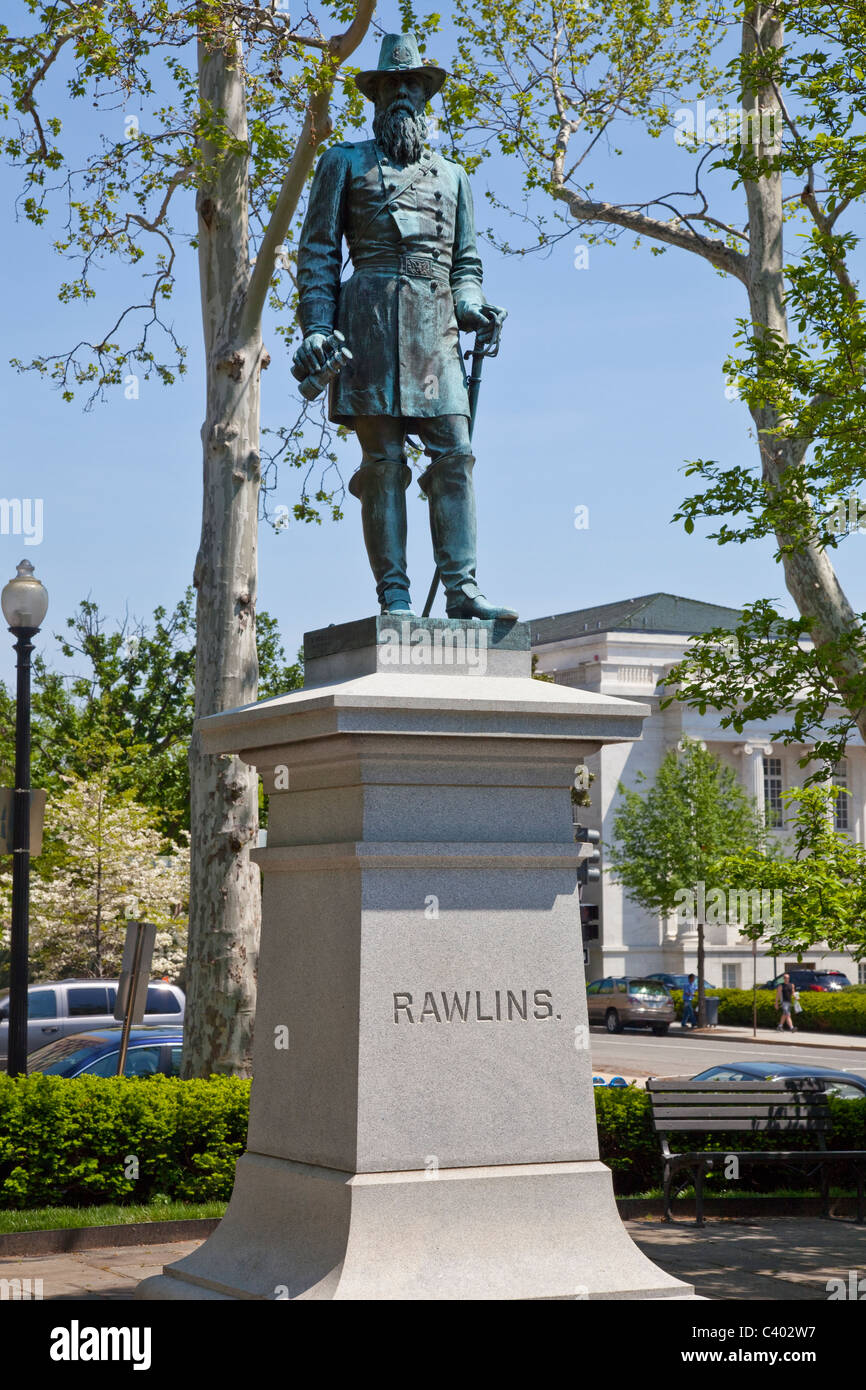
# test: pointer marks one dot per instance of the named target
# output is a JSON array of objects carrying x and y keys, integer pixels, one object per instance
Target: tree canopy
[{"x": 772, "y": 197}]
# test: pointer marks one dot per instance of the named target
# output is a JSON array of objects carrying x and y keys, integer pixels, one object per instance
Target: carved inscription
[{"x": 473, "y": 1006}]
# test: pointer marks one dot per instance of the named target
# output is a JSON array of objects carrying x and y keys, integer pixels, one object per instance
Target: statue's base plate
[{"x": 525, "y": 1231}]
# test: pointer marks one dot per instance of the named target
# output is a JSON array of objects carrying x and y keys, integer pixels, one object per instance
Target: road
[{"x": 638, "y": 1054}]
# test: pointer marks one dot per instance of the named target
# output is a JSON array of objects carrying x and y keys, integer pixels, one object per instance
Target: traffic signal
[{"x": 588, "y": 870}]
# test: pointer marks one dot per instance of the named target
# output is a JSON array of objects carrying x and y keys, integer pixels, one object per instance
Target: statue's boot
[
  {"x": 448, "y": 486},
  {"x": 381, "y": 486}
]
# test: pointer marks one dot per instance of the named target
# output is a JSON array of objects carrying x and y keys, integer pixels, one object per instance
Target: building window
[
  {"x": 773, "y": 792},
  {"x": 841, "y": 809},
  {"x": 861, "y": 972},
  {"x": 730, "y": 977}
]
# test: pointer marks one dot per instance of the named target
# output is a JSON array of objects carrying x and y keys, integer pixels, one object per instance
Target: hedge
[
  {"x": 95, "y": 1140},
  {"x": 842, "y": 1011}
]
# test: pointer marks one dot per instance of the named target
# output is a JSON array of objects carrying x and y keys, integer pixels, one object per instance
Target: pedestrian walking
[
  {"x": 785, "y": 997},
  {"x": 690, "y": 989}
]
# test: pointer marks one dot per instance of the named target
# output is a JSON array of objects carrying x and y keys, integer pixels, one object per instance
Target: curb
[
  {"x": 68, "y": 1240},
  {"x": 29, "y": 1244},
  {"x": 800, "y": 1039}
]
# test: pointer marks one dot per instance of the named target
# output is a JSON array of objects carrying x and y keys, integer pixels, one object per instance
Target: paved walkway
[
  {"x": 736, "y": 1260},
  {"x": 756, "y": 1259}
]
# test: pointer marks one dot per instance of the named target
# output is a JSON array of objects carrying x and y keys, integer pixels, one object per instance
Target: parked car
[
  {"x": 675, "y": 981},
  {"x": 811, "y": 980},
  {"x": 57, "y": 1008},
  {"x": 846, "y": 1084},
  {"x": 152, "y": 1052},
  {"x": 630, "y": 1001}
]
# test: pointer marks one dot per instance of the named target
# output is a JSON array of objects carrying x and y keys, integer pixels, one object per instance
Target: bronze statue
[{"x": 387, "y": 338}]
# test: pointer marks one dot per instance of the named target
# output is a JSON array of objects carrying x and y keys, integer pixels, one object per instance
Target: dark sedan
[
  {"x": 821, "y": 981},
  {"x": 154, "y": 1051},
  {"x": 846, "y": 1084}
]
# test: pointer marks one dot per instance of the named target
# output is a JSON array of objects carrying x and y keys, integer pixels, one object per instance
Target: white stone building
[{"x": 623, "y": 649}]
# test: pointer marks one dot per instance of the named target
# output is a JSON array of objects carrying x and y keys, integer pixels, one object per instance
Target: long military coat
[{"x": 411, "y": 238}]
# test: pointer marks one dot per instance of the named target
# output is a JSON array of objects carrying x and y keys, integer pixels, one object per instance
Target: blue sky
[{"x": 609, "y": 379}]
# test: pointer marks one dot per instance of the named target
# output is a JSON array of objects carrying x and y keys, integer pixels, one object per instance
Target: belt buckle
[{"x": 417, "y": 265}]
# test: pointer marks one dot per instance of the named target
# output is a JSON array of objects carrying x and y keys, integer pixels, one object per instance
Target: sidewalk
[
  {"x": 769, "y": 1037},
  {"x": 780, "y": 1259},
  {"x": 786, "y": 1259}
]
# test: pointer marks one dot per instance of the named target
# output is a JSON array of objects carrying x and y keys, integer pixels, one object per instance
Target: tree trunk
[
  {"x": 809, "y": 574},
  {"x": 224, "y": 883},
  {"x": 702, "y": 1002}
]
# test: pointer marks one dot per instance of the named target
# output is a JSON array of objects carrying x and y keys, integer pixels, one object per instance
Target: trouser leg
[
  {"x": 380, "y": 484},
  {"x": 448, "y": 486}
]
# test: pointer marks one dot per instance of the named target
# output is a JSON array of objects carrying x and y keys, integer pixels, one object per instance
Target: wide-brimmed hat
[{"x": 399, "y": 53}]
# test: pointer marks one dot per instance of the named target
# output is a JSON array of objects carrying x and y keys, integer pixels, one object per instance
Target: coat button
[
  {"x": 436, "y": 255},
  {"x": 438, "y": 193},
  {"x": 390, "y": 187}
]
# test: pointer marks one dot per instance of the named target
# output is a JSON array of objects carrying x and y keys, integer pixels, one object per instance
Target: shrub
[
  {"x": 93, "y": 1139},
  {"x": 842, "y": 1011}
]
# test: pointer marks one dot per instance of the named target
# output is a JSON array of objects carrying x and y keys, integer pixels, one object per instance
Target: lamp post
[{"x": 24, "y": 601}]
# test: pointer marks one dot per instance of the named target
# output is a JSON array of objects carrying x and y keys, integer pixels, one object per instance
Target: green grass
[{"x": 63, "y": 1218}]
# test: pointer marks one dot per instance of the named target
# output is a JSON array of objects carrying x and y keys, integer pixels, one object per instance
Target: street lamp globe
[{"x": 24, "y": 599}]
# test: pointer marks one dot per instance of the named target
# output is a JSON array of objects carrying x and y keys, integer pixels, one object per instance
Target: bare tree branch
[{"x": 673, "y": 233}]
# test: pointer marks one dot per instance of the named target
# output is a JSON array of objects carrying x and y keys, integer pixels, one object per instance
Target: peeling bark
[
  {"x": 225, "y": 897},
  {"x": 224, "y": 883}
]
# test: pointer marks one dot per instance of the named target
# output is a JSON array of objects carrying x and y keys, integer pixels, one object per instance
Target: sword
[{"x": 473, "y": 385}]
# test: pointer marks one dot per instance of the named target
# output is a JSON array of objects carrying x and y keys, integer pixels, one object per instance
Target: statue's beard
[{"x": 400, "y": 133}]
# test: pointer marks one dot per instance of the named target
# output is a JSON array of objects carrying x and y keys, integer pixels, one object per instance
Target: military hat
[{"x": 399, "y": 53}]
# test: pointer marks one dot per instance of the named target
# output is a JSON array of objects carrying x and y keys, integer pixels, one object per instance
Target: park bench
[{"x": 799, "y": 1105}]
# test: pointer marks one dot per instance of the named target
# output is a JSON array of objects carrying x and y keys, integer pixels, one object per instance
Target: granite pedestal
[{"x": 422, "y": 1119}]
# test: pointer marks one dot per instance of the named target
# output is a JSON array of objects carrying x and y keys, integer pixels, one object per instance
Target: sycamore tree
[
  {"x": 766, "y": 105},
  {"x": 820, "y": 879},
  {"x": 106, "y": 864},
  {"x": 223, "y": 105},
  {"x": 668, "y": 840}
]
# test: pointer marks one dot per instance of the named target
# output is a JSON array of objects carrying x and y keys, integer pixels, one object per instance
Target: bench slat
[
  {"x": 769, "y": 1155},
  {"x": 742, "y": 1112},
  {"x": 813, "y": 1098},
  {"x": 814, "y": 1126}
]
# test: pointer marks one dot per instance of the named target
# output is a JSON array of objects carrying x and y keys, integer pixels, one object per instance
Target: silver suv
[{"x": 56, "y": 1009}]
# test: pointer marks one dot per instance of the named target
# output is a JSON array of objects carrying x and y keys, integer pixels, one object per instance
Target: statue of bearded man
[{"x": 406, "y": 215}]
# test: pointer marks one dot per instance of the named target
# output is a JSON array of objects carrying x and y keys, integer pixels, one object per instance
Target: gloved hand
[
  {"x": 485, "y": 321},
  {"x": 312, "y": 355}
]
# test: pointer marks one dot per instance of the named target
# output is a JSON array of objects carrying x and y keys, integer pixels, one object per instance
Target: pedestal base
[
  {"x": 422, "y": 1118},
  {"x": 526, "y": 1231}
]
